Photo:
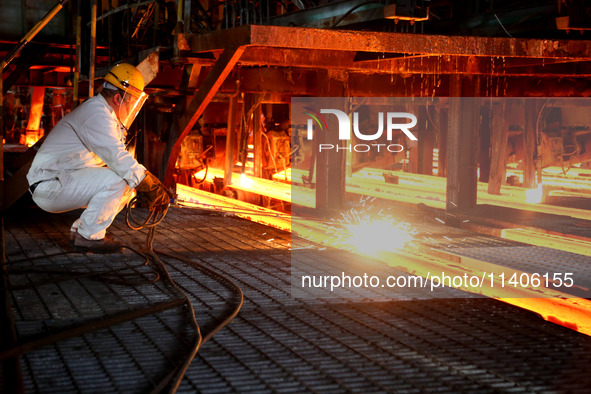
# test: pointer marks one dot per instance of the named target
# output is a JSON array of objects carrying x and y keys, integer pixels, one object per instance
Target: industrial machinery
[
  {"x": 437, "y": 104},
  {"x": 222, "y": 75}
]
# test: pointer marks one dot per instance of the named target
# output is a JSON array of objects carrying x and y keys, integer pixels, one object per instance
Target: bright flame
[
  {"x": 369, "y": 234},
  {"x": 377, "y": 235},
  {"x": 534, "y": 196}
]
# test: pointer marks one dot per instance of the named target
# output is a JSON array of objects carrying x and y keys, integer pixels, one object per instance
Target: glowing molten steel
[
  {"x": 264, "y": 187},
  {"x": 191, "y": 197},
  {"x": 246, "y": 181},
  {"x": 534, "y": 196}
]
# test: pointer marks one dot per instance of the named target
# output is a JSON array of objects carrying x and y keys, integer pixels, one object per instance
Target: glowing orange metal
[
  {"x": 283, "y": 176},
  {"x": 200, "y": 199},
  {"x": 575, "y": 180},
  {"x": 265, "y": 187},
  {"x": 552, "y": 305},
  {"x": 430, "y": 190}
]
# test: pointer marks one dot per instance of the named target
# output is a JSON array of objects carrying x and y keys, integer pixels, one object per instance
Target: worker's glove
[{"x": 151, "y": 192}]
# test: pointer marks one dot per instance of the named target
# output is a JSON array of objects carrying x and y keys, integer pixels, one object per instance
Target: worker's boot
[
  {"x": 105, "y": 245},
  {"x": 75, "y": 232}
]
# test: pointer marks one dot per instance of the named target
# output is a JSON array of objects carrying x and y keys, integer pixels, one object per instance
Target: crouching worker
[{"x": 83, "y": 162}]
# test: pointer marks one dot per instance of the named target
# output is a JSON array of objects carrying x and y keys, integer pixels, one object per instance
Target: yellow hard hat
[{"x": 127, "y": 78}]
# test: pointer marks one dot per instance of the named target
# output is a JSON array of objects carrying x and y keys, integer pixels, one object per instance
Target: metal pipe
[
  {"x": 77, "y": 61},
  {"x": 156, "y": 22},
  {"x": 186, "y": 14},
  {"x": 32, "y": 33},
  {"x": 92, "y": 48},
  {"x": 128, "y": 17},
  {"x": 179, "y": 13},
  {"x": 231, "y": 138},
  {"x": 123, "y": 8}
]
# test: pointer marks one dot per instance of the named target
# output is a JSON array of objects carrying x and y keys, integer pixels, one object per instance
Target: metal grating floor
[
  {"x": 384, "y": 343},
  {"x": 516, "y": 255}
]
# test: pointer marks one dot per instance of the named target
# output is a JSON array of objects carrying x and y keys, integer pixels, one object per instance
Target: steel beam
[
  {"x": 430, "y": 190},
  {"x": 331, "y": 165},
  {"x": 208, "y": 89},
  {"x": 416, "y": 64},
  {"x": 230, "y": 140},
  {"x": 299, "y": 58},
  {"x": 462, "y": 154},
  {"x": 195, "y": 198},
  {"x": 499, "y": 142},
  {"x": 530, "y": 144},
  {"x": 361, "y": 85},
  {"x": 362, "y": 41},
  {"x": 220, "y": 39}
]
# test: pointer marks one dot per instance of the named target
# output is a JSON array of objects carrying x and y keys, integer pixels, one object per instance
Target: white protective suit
[{"x": 83, "y": 163}]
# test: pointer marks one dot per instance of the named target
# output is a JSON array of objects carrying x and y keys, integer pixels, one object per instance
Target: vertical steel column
[
  {"x": 185, "y": 11},
  {"x": 156, "y": 22},
  {"x": 499, "y": 140},
  {"x": 462, "y": 153},
  {"x": 230, "y": 139},
  {"x": 257, "y": 137},
  {"x": 77, "y": 61},
  {"x": 331, "y": 165},
  {"x": 426, "y": 143},
  {"x": 485, "y": 146},
  {"x": 442, "y": 142},
  {"x": 9, "y": 366},
  {"x": 529, "y": 143}
]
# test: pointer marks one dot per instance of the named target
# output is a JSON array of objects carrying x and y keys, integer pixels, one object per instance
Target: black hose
[
  {"x": 154, "y": 218},
  {"x": 211, "y": 272}
]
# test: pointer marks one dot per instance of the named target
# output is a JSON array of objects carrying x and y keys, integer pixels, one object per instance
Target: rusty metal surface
[
  {"x": 225, "y": 38},
  {"x": 322, "y": 39},
  {"x": 409, "y": 63}
]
